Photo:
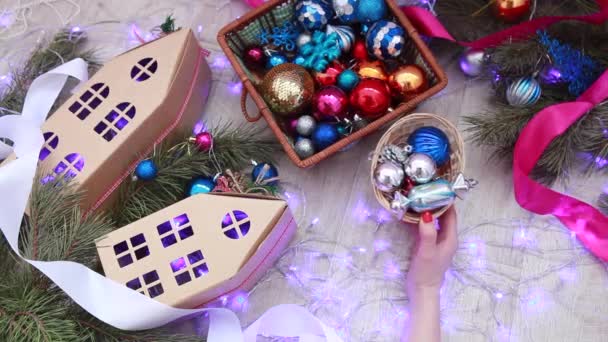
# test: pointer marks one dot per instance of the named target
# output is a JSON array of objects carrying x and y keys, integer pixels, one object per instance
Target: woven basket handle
[{"x": 244, "y": 107}]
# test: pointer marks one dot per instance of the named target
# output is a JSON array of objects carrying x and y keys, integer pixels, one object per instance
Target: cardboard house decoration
[
  {"x": 198, "y": 249},
  {"x": 136, "y": 100}
]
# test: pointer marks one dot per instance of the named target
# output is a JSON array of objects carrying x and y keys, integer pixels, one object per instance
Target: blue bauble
[
  {"x": 523, "y": 92},
  {"x": 200, "y": 185},
  {"x": 345, "y": 10},
  {"x": 347, "y": 80},
  {"x": 325, "y": 135},
  {"x": 271, "y": 172},
  {"x": 369, "y": 11},
  {"x": 275, "y": 59},
  {"x": 146, "y": 170},
  {"x": 385, "y": 39},
  {"x": 313, "y": 14},
  {"x": 432, "y": 142}
]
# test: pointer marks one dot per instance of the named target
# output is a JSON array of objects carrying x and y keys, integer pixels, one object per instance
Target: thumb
[{"x": 428, "y": 233}]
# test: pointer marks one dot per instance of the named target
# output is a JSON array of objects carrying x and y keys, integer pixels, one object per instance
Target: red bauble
[
  {"x": 360, "y": 51},
  {"x": 371, "y": 98},
  {"x": 203, "y": 141},
  {"x": 408, "y": 184},
  {"x": 254, "y": 58},
  {"x": 331, "y": 101},
  {"x": 329, "y": 76},
  {"x": 511, "y": 10}
]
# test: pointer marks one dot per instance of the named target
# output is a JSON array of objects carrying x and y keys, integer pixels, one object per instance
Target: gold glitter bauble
[{"x": 287, "y": 89}]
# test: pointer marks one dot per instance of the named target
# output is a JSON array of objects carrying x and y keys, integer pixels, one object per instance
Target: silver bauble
[
  {"x": 306, "y": 125},
  {"x": 304, "y": 148},
  {"x": 523, "y": 92},
  {"x": 388, "y": 176},
  {"x": 303, "y": 38},
  {"x": 471, "y": 62},
  {"x": 420, "y": 168}
]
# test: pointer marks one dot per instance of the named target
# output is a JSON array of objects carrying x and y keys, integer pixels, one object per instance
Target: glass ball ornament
[
  {"x": 331, "y": 101},
  {"x": 385, "y": 39},
  {"x": 360, "y": 50},
  {"x": 369, "y": 11},
  {"x": 371, "y": 69},
  {"x": 346, "y": 36},
  {"x": 347, "y": 80},
  {"x": 370, "y": 98},
  {"x": 304, "y": 148},
  {"x": 420, "y": 168},
  {"x": 388, "y": 176},
  {"x": 408, "y": 81},
  {"x": 523, "y": 92},
  {"x": 345, "y": 10},
  {"x": 287, "y": 89},
  {"x": 471, "y": 62},
  {"x": 146, "y": 170},
  {"x": 269, "y": 172},
  {"x": 203, "y": 141},
  {"x": 275, "y": 59},
  {"x": 303, "y": 38},
  {"x": 254, "y": 58},
  {"x": 431, "y": 141},
  {"x": 305, "y": 125},
  {"x": 313, "y": 14},
  {"x": 325, "y": 135},
  {"x": 200, "y": 185},
  {"x": 330, "y": 75},
  {"x": 550, "y": 75},
  {"x": 511, "y": 10}
]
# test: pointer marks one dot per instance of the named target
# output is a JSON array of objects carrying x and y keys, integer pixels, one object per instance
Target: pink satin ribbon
[{"x": 589, "y": 225}]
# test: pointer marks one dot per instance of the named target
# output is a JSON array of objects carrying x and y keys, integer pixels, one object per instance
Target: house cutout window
[
  {"x": 115, "y": 121},
  {"x": 89, "y": 100},
  {"x": 193, "y": 264},
  {"x": 236, "y": 224},
  {"x": 123, "y": 249},
  {"x": 70, "y": 166},
  {"x": 144, "y": 69},
  {"x": 167, "y": 229},
  {"x": 148, "y": 284},
  {"x": 51, "y": 141}
]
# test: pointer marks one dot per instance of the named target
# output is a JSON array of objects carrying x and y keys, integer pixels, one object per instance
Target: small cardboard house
[
  {"x": 199, "y": 249},
  {"x": 135, "y": 101}
]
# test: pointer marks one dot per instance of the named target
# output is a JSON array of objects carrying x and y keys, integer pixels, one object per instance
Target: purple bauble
[
  {"x": 254, "y": 58},
  {"x": 550, "y": 75},
  {"x": 331, "y": 101},
  {"x": 204, "y": 141}
]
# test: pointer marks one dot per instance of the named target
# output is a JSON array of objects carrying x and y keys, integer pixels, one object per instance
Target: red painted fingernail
[{"x": 427, "y": 217}]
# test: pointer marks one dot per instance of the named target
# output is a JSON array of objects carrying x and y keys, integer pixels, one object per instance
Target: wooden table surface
[{"x": 516, "y": 277}]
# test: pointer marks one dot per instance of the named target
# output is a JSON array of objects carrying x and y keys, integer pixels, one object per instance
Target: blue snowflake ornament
[
  {"x": 578, "y": 70},
  {"x": 282, "y": 36},
  {"x": 319, "y": 52}
]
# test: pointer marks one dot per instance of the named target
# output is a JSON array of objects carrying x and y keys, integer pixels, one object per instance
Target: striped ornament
[
  {"x": 346, "y": 36},
  {"x": 524, "y": 92}
]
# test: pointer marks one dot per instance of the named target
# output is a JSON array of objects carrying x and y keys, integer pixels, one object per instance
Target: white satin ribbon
[{"x": 103, "y": 298}]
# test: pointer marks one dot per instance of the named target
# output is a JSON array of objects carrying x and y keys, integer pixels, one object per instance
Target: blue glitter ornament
[
  {"x": 275, "y": 59},
  {"x": 523, "y": 92},
  {"x": 325, "y": 135},
  {"x": 200, "y": 185},
  {"x": 345, "y": 10},
  {"x": 319, "y": 52},
  {"x": 369, "y": 11},
  {"x": 270, "y": 172},
  {"x": 313, "y": 14},
  {"x": 346, "y": 36},
  {"x": 432, "y": 142},
  {"x": 347, "y": 80},
  {"x": 283, "y": 36},
  {"x": 385, "y": 39},
  {"x": 146, "y": 170}
]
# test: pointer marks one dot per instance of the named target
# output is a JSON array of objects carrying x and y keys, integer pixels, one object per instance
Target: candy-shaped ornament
[
  {"x": 385, "y": 39},
  {"x": 433, "y": 195},
  {"x": 431, "y": 141},
  {"x": 313, "y": 14},
  {"x": 345, "y": 10}
]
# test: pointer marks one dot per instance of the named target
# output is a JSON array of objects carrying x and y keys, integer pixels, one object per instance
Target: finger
[
  {"x": 448, "y": 232},
  {"x": 427, "y": 233}
]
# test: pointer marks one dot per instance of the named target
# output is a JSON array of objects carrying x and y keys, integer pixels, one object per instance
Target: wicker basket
[
  {"x": 243, "y": 32},
  {"x": 398, "y": 134}
]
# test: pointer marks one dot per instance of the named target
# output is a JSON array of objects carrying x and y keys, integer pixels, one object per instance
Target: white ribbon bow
[{"x": 109, "y": 301}]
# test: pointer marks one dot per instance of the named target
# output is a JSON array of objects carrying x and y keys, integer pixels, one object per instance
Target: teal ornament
[
  {"x": 313, "y": 14},
  {"x": 432, "y": 142},
  {"x": 385, "y": 39},
  {"x": 346, "y": 36},
  {"x": 345, "y": 10},
  {"x": 325, "y": 135},
  {"x": 369, "y": 11},
  {"x": 523, "y": 92},
  {"x": 347, "y": 80},
  {"x": 200, "y": 185},
  {"x": 146, "y": 170},
  {"x": 275, "y": 59},
  {"x": 263, "y": 172},
  {"x": 319, "y": 52},
  {"x": 342, "y": 129}
]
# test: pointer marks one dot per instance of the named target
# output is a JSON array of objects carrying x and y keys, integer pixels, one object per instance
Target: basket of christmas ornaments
[
  {"x": 325, "y": 73},
  {"x": 417, "y": 167}
]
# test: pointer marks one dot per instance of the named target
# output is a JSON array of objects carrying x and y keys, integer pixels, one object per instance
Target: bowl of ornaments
[
  {"x": 417, "y": 167},
  {"x": 325, "y": 73}
]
